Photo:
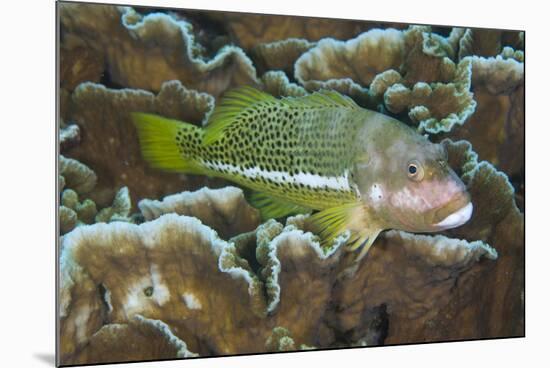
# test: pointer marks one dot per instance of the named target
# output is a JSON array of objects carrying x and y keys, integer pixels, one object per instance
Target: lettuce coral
[
  {"x": 359, "y": 59},
  {"x": 412, "y": 70},
  {"x": 499, "y": 120},
  {"x": 78, "y": 180},
  {"x": 277, "y": 84},
  {"x": 138, "y": 340},
  {"x": 225, "y": 210},
  {"x": 103, "y": 112},
  {"x": 74, "y": 178},
  {"x": 290, "y": 281},
  {"x": 487, "y": 42},
  {"x": 246, "y": 33},
  {"x": 145, "y": 51},
  {"x": 120, "y": 209},
  {"x": 76, "y": 175},
  {"x": 280, "y": 55},
  {"x": 69, "y": 136},
  {"x": 436, "y": 107}
]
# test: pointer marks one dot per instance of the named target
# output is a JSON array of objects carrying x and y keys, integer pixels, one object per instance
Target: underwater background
[{"x": 180, "y": 266}]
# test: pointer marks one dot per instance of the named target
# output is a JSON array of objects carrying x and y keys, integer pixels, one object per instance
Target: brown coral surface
[{"x": 157, "y": 265}]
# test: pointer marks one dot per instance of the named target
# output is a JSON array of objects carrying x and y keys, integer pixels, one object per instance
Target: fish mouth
[{"x": 457, "y": 218}]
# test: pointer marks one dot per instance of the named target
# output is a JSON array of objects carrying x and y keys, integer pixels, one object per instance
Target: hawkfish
[{"x": 356, "y": 170}]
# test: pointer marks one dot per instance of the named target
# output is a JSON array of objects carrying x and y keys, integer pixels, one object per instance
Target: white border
[{"x": 27, "y": 195}]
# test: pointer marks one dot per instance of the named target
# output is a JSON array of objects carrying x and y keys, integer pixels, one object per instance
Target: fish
[{"x": 355, "y": 170}]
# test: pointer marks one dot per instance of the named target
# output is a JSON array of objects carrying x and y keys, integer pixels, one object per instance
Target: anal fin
[{"x": 273, "y": 207}]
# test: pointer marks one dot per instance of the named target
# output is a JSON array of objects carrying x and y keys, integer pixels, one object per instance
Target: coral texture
[
  {"x": 245, "y": 30},
  {"x": 144, "y": 51},
  {"x": 158, "y": 265},
  {"x": 224, "y": 210},
  {"x": 76, "y": 184},
  {"x": 499, "y": 121},
  {"x": 106, "y": 130},
  {"x": 176, "y": 270}
]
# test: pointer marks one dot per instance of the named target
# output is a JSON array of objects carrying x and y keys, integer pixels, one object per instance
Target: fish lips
[{"x": 455, "y": 213}]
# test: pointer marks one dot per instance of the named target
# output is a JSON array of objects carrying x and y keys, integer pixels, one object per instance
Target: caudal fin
[{"x": 161, "y": 143}]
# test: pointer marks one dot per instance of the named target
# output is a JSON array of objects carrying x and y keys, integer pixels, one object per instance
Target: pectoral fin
[
  {"x": 364, "y": 243},
  {"x": 331, "y": 222}
]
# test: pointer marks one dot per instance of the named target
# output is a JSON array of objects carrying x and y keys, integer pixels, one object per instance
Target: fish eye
[{"x": 415, "y": 170}]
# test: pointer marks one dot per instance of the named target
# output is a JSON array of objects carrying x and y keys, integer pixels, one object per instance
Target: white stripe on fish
[{"x": 310, "y": 180}]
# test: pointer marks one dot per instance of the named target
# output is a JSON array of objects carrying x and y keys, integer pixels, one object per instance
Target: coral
[
  {"x": 75, "y": 178},
  {"x": 78, "y": 179},
  {"x": 498, "y": 75},
  {"x": 499, "y": 120},
  {"x": 119, "y": 211},
  {"x": 245, "y": 31},
  {"x": 160, "y": 274},
  {"x": 163, "y": 263},
  {"x": 349, "y": 65},
  {"x": 67, "y": 219},
  {"x": 510, "y": 53},
  {"x": 78, "y": 63},
  {"x": 381, "y": 82},
  {"x": 139, "y": 339},
  {"x": 436, "y": 107},
  {"x": 76, "y": 175},
  {"x": 490, "y": 190},
  {"x": 225, "y": 210},
  {"x": 280, "y": 55},
  {"x": 409, "y": 70},
  {"x": 69, "y": 136},
  {"x": 277, "y": 84},
  {"x": 487, "y": 42},
  {"x": 103, "y": 116},
  {"x": 280, "y": 340},
  {"x": 61, "y": 183},
  {"x": 85, "y": 211},
  {"x": 145, "y": 51},
  {"x": 73, "y": 212},
  {"x": 410, "y": 295}
]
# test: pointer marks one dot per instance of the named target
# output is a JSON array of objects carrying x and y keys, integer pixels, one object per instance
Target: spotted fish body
[
  {"x": 298, "y": 152},
  {"x": 319, "y": 152}
]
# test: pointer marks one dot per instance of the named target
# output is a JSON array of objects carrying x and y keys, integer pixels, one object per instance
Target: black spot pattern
[{"x": 276, "y": 137}]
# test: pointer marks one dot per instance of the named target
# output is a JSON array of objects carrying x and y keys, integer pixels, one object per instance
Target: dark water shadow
[{"x": 45, "y": 358}]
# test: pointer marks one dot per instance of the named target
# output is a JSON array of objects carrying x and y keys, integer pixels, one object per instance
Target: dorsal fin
[
  {"x": 238, "y": 100},
  {"x": 232, "y": 104},
  {"x": 321, "y": 98}
]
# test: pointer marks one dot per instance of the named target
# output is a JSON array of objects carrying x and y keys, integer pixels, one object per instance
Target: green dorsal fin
[
  {"x": 322, "y": 98},
  {"x": 271, "y": 207},
  {"x": 235, "y": 102},
  {"x": 232, "y": 104},
  {"x": 331, "y": 222}
]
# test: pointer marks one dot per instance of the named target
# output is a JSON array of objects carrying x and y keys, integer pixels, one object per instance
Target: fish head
[{"x": 407, "y": 183}]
